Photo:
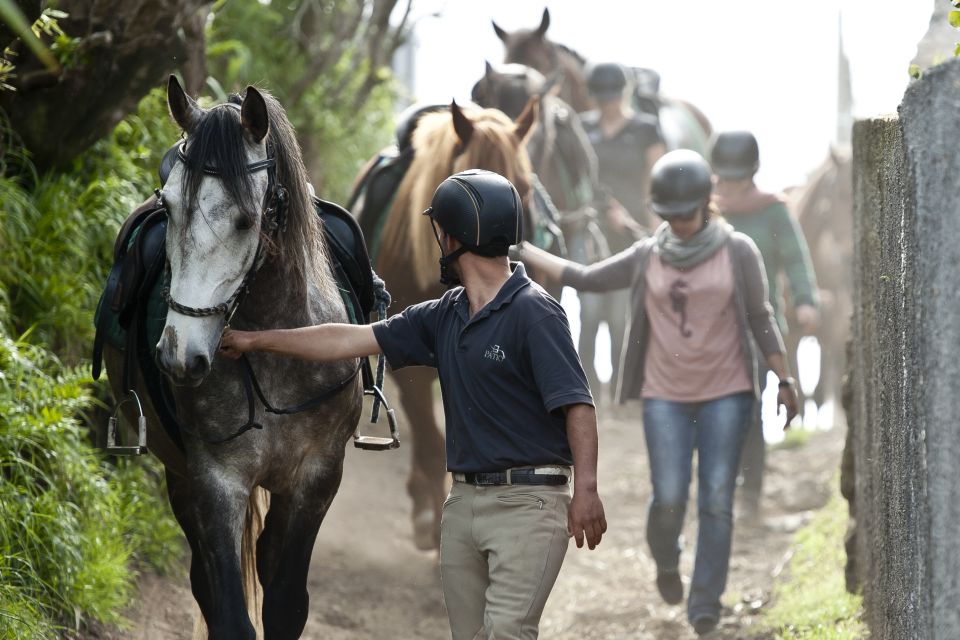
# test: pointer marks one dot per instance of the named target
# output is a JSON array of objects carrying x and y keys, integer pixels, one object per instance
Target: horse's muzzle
[{"x": 185, "y": 370}]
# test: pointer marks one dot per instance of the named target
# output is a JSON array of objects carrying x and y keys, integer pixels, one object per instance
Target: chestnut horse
[{"x": 444, "y": 142}]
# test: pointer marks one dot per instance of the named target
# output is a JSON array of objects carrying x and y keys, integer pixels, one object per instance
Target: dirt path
[{"x": 368, "y": 582}]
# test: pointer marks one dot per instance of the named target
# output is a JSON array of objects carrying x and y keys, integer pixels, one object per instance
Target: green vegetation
[
  {"x": 793, "y": 438},
  {"x": 72, "y": 524},
  {"x": 58, "y": 229},
  {"x": 810, "y": 602},
  {"x": 340, "y": 105}
]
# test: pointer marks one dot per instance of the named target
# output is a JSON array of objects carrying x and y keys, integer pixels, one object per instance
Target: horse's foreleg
[
  {"x": 428, "y": 471},
  {"x": 211, "y": 512},
  {"x": 284, "y": 550}
]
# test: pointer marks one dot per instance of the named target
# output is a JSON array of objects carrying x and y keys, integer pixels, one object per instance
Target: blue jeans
[{"x": 716, "y": 429}]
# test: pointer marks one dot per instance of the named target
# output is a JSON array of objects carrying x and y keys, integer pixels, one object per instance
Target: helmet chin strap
[{"x": 447, "y": 275}]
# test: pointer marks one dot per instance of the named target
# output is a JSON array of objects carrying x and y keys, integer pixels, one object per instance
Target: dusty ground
[{"x": 368, "y": 582}]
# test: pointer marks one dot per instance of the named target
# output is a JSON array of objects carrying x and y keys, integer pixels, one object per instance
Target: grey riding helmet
[
  {"x": 735, "y": 155},
  {"x": 606, "y": 82},
  {"x": 481, "y": 209},
  {"x": 680, "y": 183}
]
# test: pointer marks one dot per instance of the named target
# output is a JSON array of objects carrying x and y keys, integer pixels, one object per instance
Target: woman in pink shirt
[{"x": 698, "y": 294}]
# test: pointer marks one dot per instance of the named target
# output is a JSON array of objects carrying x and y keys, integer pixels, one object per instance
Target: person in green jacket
[{"x": 735, "y": 158}]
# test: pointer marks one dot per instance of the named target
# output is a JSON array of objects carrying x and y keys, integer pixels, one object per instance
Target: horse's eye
[{"x": 243, "y": 223}]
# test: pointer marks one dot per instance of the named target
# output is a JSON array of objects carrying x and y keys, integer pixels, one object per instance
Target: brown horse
[
  {"x": 444, "y": 143},
  {"x": 824, "y": 208},
  {"x": 684, "y": 126},
  {"x": 531, "y": 47}
]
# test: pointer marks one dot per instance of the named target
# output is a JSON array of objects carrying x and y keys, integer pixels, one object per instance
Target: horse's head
[
  {"x": 488, "y": 139},
  {"x": 215, "y": 197},
  {"x": 530, "y": 46},
  {"x": 446, "y": 142},
  {"x": 509, "y": 87}
]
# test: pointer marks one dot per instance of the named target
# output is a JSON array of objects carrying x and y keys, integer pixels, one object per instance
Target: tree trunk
[{"x": 126, "y": 48}]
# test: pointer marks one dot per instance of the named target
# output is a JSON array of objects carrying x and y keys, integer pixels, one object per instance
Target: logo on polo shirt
[{"x": 495, "y": 353}]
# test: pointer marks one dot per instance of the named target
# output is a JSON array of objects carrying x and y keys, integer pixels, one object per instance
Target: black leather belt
[{"x": 513, "y": 476}]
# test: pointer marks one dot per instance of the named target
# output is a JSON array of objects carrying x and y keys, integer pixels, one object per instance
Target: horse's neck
[
  {"x": 275, "y": 301},
  {"x": 574, "y": 89},
  {"x": 561, "y": 161}
]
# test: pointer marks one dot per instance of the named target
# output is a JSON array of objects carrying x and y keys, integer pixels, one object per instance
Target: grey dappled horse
[{"x": 226, "y": 247}]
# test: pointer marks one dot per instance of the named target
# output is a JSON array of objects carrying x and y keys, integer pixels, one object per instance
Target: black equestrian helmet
[
  {"x": 680, "y": 183},
  {"x": 735, "y": 155},
  {"x": 481, "y": 209},
  {"x": 606, "y": 81}
]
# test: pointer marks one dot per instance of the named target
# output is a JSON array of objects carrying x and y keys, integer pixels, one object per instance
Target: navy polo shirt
[{"x": 505, "y": 374}]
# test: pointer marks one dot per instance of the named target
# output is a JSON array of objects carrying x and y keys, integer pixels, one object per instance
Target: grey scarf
[{"x": 686, "y": 254}]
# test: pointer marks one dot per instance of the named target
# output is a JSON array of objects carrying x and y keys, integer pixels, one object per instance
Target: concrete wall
[{"x": 906, "y": 361}]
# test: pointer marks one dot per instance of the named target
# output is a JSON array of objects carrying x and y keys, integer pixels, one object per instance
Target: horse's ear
[
  {"x": 544, "y": 24},
  {"x": 503, "y": 35},
  {"x": 183, "y": 108},
  {"x": 527, "y": 119},
  {"x": 254, "y": 116},
  {"x": 461, "y": 124}
]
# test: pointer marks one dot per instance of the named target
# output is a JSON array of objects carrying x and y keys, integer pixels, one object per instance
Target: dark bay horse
[
  {"x": 684, "y": 126},
  {"x": 444, "y": 142},
  {"x": 824, "y": 208},
  {"x": 564, "y": 161},
  {"x": 244, "y": 243}
]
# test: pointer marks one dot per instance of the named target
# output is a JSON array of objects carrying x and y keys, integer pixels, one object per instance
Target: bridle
[
  {"x": 273, "y": 222},
  {"x": 274, "y": 217}
]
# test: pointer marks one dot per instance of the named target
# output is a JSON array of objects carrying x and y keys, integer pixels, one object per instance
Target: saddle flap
[{"x": 348, "y": 248}]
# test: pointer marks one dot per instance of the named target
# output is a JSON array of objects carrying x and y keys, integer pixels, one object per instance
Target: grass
[
  {"x": 71, "y": 525},
  {"x": 793, "y": 438},
  {"x": 810, "y": 602}
]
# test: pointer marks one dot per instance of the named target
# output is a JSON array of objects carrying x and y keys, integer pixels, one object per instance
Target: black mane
[{"x": 217, "y": 142}]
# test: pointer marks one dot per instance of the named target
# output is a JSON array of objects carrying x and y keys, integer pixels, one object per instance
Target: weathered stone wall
[{"x": 906, "y": 333}]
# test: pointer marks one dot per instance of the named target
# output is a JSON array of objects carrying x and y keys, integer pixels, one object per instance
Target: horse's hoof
[{"x": 425, "y": 531}]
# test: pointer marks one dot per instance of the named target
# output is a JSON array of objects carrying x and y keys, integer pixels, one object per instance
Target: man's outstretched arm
[{"x": 321, "y": 343}]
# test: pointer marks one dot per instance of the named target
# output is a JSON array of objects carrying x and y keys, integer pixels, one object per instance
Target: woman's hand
[{"x": 787, "y": 398}]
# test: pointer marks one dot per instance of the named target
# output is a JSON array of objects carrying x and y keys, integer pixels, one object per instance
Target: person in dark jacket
[
  {"x": 735, "y": 158},
  {"x": 518, "y": 409},
  {"x": 699, "y": 307}
]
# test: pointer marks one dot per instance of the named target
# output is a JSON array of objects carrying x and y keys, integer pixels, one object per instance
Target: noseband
[{"x": 274, "y": 221}]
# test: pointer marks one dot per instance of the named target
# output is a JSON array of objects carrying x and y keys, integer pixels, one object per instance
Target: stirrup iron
[
  {"x": 375, "y": 443},
  {"x": 127, "y": 450}
]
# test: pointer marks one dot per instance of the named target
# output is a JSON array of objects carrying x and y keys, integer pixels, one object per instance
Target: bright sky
[{"x": 765, "y": 65}]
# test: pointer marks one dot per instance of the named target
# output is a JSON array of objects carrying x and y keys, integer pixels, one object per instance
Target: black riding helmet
[
  {"x": 482, "y": 210},
  {"x": 680, "y": 183},
  {"x": 735, "y": 155},
  {"x": 606, "y": 81}
]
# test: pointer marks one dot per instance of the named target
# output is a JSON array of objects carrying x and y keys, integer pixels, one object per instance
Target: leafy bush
[
  {"x": 70, "y": 524},
  {"x": 57, "y": 233},
  {"x": 342, "y": 109}
]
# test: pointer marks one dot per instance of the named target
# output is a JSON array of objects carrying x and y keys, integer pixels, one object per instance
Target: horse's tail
[{"x": 252, "y": 590}]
